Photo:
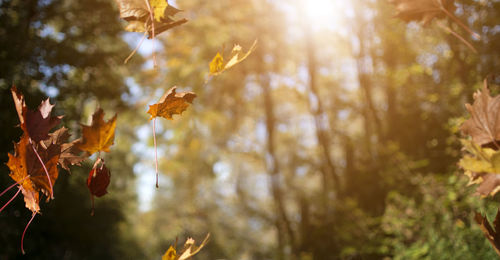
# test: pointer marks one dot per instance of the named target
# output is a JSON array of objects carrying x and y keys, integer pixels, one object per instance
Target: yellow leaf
[
  {"x": 170, "y": 254},
  {"x": 217, "y": 65},
  {"x": 158, "y": 7},
  {"x": 99, "y": 136}
]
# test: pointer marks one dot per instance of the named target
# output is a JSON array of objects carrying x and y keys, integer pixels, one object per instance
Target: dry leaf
[
  {"x": 36, "y": 124},
  {"x": 136, "y": 12},
  {"x": 171, "y": 254},
  {"x": 99, "y": 136},
  {"x": 484, "y": 124},
  {"x": 26, "y": 169},
  {"x": 491, "y": 234},
  {"x": 68, "y": 151},
  {"x": 217, "y": 65},
  {"x": 171, "y": 103},
  {"x": 189, "y": 250}
]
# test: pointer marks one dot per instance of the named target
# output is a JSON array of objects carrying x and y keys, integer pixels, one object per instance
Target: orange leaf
[
  {"x": 99, "y": 136},
  {"x": 171, "y": 103},
  {"x": 27, "y": 170}
]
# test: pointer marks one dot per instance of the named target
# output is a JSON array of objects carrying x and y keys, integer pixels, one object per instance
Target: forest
[{"x": 249, "y": 129}]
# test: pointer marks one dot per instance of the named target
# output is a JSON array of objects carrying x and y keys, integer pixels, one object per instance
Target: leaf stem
[
  {"x": 136, "y": 48},
  {"x": 156, "y": 151},
  {"x": 455, "y": 19},
  {"x": 12, "y": 186},
  {"x": 92, "y": 201},
  {"x": 11, "y": 199},
  {"x": 24, "y": 232},
  {"x": 151, "y": 15},
  {"x": 44, "y": 168},
  {"x": 446, "y": 28}
]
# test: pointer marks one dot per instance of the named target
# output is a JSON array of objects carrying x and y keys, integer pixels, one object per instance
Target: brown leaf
[
  {"x": 99, "y": 136},
  {"x": 489, "y": 183},
  {"x": 491, "y": 234},
  {"x": 190, "y": 249},
  {"x": 131, "y": 10},
  {"x": 50, "y": 157},
  {"x": 98, "y": 180},
  {"x": 136, "y": 12},
  {"x": 36, "y": 124},
  {"x": 484, "y": 124},
  {"x": 69, "y": 153},
  {"x": 422, "y": 10},
  {"x": 171, "y": 103}
]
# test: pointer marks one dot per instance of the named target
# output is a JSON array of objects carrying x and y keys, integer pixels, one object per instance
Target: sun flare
[{"x": 325, "y": 13}]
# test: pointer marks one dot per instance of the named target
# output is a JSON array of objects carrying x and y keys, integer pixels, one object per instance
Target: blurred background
[{"x": 337, "y": 138}]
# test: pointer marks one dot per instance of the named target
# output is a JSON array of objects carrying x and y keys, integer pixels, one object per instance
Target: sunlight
[{"x": 325, "y": 13}]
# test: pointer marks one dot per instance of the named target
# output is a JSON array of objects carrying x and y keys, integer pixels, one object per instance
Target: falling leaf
[
  {"x": 69, "y": 154},
  {"x": 217, "y": 65},
  {"x": 98, "y": 180},
  {"x": 136, "y": 12},
  {"x": 171, "y": 103},
  {"x": 36, "y": 124},
  {"x": 423, "y": 10},
  {"x": 491, "y": 233},
  {"x": 484, "y": 124},
  {"x": 131, "y": 10},
  {"x": 99, "y": 136},
  {"x": 29, "y": 173},
  {"x": 189, "y": 250},
  {"x": 171, "y": 254}
]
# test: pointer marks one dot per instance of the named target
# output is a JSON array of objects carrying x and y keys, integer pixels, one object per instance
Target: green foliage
[{"x": 438, "y": 223}]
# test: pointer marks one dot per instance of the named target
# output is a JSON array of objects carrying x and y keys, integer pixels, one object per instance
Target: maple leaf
[
  {"x": 189, "y": 250},
  {"x": 217, "y": 65},
  {"x": 491, "y": 233},
  {"x": 171, "y": 103},
  {"x": 484, "y": 124},
  {"x": 29, "y": 173},
  {"x": 423, "y": 10},
  {"x": 98, "y": 180},
  {"x": 36, "y": 124},
  {"x": 99, "y": 136},
  {"x": 68, "y": 151},
  {"x": 137, "y": 13}
]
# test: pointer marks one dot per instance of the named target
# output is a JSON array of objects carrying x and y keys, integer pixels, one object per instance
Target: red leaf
[
  {"x": 36, "y": 124},
  {"x": 98, "y": 180}
]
